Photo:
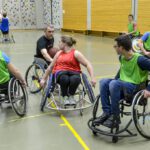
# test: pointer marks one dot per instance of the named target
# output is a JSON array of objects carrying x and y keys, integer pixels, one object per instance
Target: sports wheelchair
[
  {"x": 10, "y": 38},
  {"x": 16, "y": 95},
  {"x": 34, "y": 73},
  {"x": 84, "y": 96},
  {"x": 140, "y": 115}
]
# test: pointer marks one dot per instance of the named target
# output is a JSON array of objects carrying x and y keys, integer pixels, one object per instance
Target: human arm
[
  {"x": 141, "y": 41},
  {"x": 144, "y": 63},
  {"x": 81, "y": 59},
  {"x": 46, "y": 55},
  {"x": 49, "y": 70},
  {"x": 12, "y": 69}
]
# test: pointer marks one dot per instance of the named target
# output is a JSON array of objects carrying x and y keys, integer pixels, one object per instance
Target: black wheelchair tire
[
  {"x": 24, "y": 100},
  {"x": 135, "y": 118},
  {"x": 88, "y": 88},
  {"x": 33, "y": 91}
]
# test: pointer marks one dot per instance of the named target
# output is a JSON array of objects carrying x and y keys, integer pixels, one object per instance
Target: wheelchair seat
[
  {"x": 16, "y": 95},
  {"x": 51, "y": 99}
]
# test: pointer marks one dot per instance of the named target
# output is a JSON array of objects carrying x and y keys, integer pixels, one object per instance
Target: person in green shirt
[
  {"x": 133, "y": 72},
  {"x": 132, "y": 27},
  {"x": 7, "y": 68},
  {"x": 144, "y": 44}
]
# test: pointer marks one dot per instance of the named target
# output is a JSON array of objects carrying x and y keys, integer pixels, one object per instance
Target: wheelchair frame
[
  {"x": 38, "y": 67},
  {"x": 114, "y": 132},
  {"x": 16, "y": 95},
  {"x": 10, "y": 38},
  {"x": 52, "y": 102}
]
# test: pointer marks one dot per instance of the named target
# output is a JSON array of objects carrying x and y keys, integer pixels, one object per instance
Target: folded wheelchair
[
  {"x": 34, "y": 73},
  {"x": 140, "y": 115},
  {"x": 51, "y": 99},
  {"x": 16, "y": 95}
]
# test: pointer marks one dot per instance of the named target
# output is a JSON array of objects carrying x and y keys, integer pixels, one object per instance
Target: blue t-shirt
[
  {"x": 5, "y": 25},
  {"x": 6, "y": 58},
  {"x": 145, "y": 36}
]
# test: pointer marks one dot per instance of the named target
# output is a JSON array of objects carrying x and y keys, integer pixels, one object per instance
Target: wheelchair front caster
[
  {"x": 94, "y": 133},
  {"x": 114, "y": 139}
]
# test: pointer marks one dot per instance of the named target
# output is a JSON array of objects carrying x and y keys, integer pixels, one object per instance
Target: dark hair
[
  {"x": 124, "y": 41},
  {"x": 130, "y": 15},
  {"x": 4, "y": 14},
  {"x": 68, "y": 40}
]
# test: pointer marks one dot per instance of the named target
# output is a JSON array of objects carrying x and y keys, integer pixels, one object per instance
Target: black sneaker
[
  {"x": 112, "y": 121},
  {"x": 101, "y": 119}
]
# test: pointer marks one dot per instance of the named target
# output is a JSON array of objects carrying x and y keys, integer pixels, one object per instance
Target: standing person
[
  {"x": 132, "y": 27},
  {"x": 5, "y": 26},
  {"x": 66, "y": 67},
  {"x": 45, "y": 43},
  {"x": 133, "y": 72}
]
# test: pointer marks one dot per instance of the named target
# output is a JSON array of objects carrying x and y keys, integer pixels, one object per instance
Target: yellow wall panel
[
  {"x": 110, "y": 15},
  {"x": 144, "y": 15},
  {"x": 75, "y": 16}
]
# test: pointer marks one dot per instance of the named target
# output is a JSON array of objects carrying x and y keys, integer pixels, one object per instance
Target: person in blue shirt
[
  {"x": 144, "y": 44},
  {"x": 5, "y": 26}
]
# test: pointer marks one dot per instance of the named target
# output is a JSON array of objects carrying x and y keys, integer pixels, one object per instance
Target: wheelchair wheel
[
  {"x": 32, "y": 76},
  {"x": 18, "y": 97},
  {"x": 135, "y": 46},
  {"x": 141, "y": 114},
  {"x": 88, "y": 88},
  {"x": 95, "y": 108},
  {"x": 43, "y": 100}
]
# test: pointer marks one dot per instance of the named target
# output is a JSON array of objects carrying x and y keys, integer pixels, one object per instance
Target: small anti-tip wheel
[
  {"x": 114, "y": 139},
  {"x": 94, "y": 133}
]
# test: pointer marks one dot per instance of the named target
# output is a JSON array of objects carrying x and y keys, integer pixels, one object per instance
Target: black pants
[
  {"x": 4, "y": 88},
  {"x": 69, "y": 81}
]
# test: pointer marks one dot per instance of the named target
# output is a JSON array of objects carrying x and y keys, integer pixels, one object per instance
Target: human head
[
  {"x": 4, "y": 14},
  {"x": 66, "y": 41},
  {"x": 123, "y": 43},
  {"x": 130, "y": 17},
  {"x": 49, "y": 30}
]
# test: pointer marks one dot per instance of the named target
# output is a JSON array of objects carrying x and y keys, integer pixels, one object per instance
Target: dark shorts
[{"x": 5, "y": 32}]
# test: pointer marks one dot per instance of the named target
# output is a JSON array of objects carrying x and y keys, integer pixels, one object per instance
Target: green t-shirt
[
  {"x": 131, "y": 29},
  {"x": 131, "y": 72},
  {"x": 4, "y": 73}
]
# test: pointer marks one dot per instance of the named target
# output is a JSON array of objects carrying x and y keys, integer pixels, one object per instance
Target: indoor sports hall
[{"x": 74, "y": 74}]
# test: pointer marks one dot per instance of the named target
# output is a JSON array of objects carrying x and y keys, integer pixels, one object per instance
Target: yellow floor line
[
  {"x": 77, "y": 136},
  {"x": 30, "y": 117},
  {"x": 62, "y": 124}
]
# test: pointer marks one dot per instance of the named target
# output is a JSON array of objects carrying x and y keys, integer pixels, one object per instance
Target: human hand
[
  {"x": 42, "y": 83},
  {"x": 23, "y": 82},
  {"x": 146, "y": 93},
  {"x": 93, "y": 82}
]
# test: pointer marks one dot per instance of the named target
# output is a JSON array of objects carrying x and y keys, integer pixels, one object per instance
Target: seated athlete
[
  {"x": 66, "y": 67},
  {"x": 133, "y": 72},
  {"x": 7, "y": 68},
  {"x": 45, "y": 43}
]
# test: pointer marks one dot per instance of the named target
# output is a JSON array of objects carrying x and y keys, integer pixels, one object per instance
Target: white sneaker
[
  {"x": 72, "y": 100},
  {"x": 65, "y": 100}
]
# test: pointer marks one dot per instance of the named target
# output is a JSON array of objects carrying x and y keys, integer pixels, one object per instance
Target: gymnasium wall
[
  {"x": 75, "y": 14},
  {"x": 143, "y": 15},
  {"x": 110, "y": 15},
  {"x": 32, "y": 14}
]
